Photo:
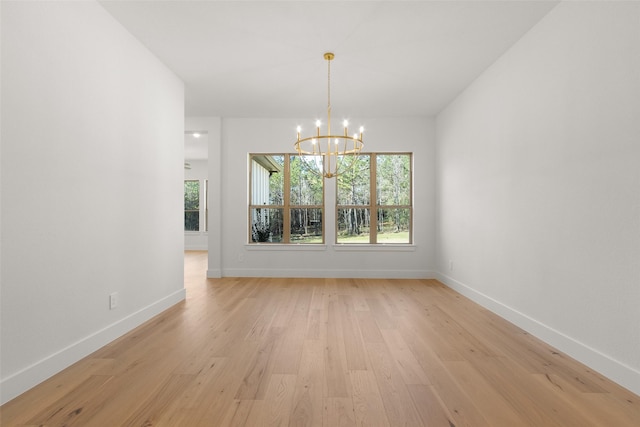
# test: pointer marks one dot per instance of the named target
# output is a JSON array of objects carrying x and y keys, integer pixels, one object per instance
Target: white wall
[
  {"x": 92, "y": 167},
  {"x": 538, "y": 173},
  {"x": 243, "y": 136},
  {"x": 198, "y": 240}
]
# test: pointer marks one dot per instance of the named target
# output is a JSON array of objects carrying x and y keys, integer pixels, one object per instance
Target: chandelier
[{"x": 329, "y": 155}]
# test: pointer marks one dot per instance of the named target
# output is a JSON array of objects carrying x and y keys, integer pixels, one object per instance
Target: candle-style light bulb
[{"x": 298, "y": 129}]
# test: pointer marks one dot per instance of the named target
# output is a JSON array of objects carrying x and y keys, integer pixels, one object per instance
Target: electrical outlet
[
  {"x": 450, "y": 265},
  {"x": 240, "y": 256},
  {"x": 113, "y": 301}
]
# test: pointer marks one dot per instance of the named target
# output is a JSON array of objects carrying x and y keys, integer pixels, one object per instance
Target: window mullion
[
  {"x": 373, "y": 200},
  {"x": 286, "y": 215}
]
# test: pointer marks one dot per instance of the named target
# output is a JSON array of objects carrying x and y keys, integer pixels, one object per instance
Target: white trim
[
  {"x": 624, "y": 375},
  {"x": 21, "y": 381},
  {"x": 214, "y": 273},
  {"x": 196, "y": 247},
  {"x": 378, "y": 247},
  {"x": 285, "y": 247},
  {"x": 352, "y": 247},
  {"x": 326, "y": 273}
]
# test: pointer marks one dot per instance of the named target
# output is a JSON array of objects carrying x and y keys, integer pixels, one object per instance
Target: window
[
  {"x": 286, "y": 201},
  {"x": 196, "y": 205},
  {"x": 192, "y": 205},
  {"x": 385, "y": 178},
  {"x": 373, "y": 200}
]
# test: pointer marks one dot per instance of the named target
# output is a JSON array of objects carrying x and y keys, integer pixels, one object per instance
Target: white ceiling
[{"x": 264, "y": 58}]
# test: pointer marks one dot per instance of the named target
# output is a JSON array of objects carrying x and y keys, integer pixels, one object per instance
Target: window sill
[
  {"x": 360, "y": 247},
  {"x": 378, "y": 247},
  {"x": 285, "y": 247}
]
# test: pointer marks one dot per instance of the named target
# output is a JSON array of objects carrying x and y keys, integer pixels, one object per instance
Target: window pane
[
  {"x": 266, "y": 225},
  {"x": 306, "y": 225},
  {"x": 353, "y": 225},
  {"x": 191, "y": 220},
  {"x": 353, "y": 184},
  {"x": 306, "y": 186},
  {"x": 393, "y": 179},
  {"x": 192, "y": 205},
  {"x": 394, "y": 225},
  {"x": 267, "y": 181},
  {"x": 191, "y": 195}
]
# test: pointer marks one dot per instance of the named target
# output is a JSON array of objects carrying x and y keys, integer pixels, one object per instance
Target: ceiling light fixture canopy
[{"x": 329, "y": 155}]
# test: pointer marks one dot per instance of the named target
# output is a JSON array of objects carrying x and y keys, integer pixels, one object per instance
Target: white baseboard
[
  {"x": 215, "y": 273},
  {"x": 29, "y": 377},
  {"x": 196, "y": 247},
  {"x": 338, "y": 274},
  {"x": 616, "y": 371}
]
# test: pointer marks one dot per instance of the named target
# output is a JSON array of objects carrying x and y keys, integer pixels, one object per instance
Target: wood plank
[
  {"x": 78, "y": 407},
  {"x": 405, "y": 361},
  {"x": 383, "y": 319},
  {"x": 538, "y": 406},
  {"x": 278, "y": 402},
  {"x": 238, "y": 413},
  {"x": 398, "y": 405},
  {"x": 256, "y": 375},
  {"x": 288, "y": 349},
  {"x": 338, "y": 412},
  {"x": 308, "y": 395},
  {"x": 429, "y": 406},
  {"x": 494, "y": 408},
  {"x": 314, "y": 325},
  {"x": 607, "y": 409},
  {"x": 25, "y": 407},
  {"x": 155, "y": 405},
  {"x": 354, "y": 348},
  {"x": 367, "y": 402},
  {"x": 368, "y": 327},
  {"x": 335, "y": 359}
]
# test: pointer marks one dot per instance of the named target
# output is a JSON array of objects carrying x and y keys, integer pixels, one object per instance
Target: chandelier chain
[{"x": 329, "y": 84}]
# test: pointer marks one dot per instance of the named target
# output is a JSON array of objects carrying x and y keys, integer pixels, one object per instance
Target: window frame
[
  {"x": 185, "y": 210},
  {"x": 286, "y": 207},
  {"x": 374, "y": 205},
  {"x": 203, "y": 206}
]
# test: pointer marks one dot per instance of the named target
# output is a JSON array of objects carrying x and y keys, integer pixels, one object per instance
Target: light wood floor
[{"x": 324, "y": 352}]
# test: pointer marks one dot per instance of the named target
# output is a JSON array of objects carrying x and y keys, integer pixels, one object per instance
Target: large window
[
  {"x": 373, "y": 200},
  {"x": 286, "y": 201},
  {"x": 374, "y": 203}
]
